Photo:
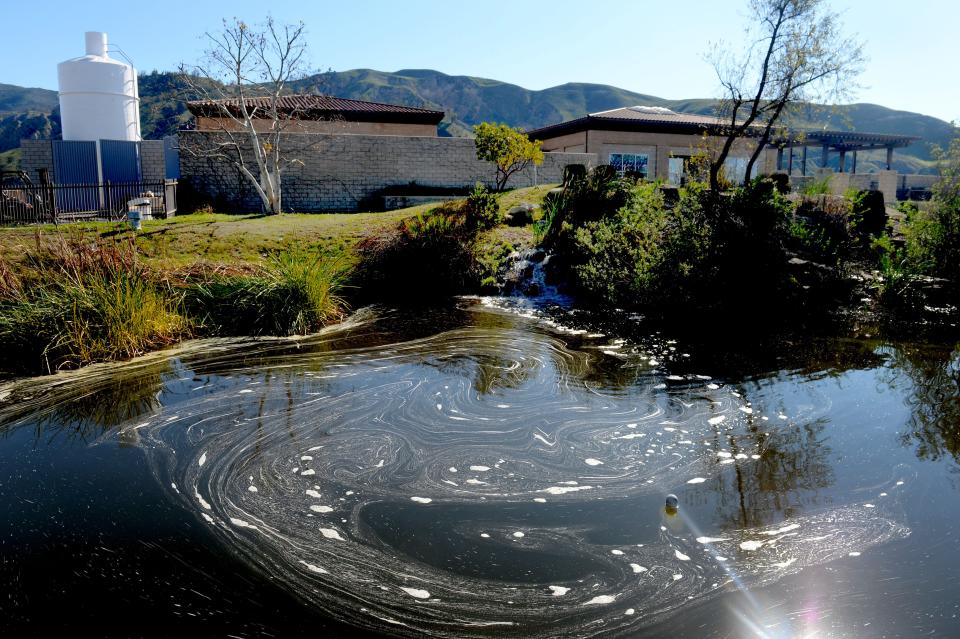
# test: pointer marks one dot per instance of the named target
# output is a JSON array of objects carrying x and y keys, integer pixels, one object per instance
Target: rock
[{"x": 521, "y": 215}]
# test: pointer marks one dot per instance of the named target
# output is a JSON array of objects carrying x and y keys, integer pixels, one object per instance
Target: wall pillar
[
  {"x": 887, "y": 183},
  {"x": 663, "y": 163},
  {"x": 839, "y": 182}
]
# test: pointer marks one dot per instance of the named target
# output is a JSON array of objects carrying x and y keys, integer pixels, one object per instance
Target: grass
[
  {"x": 295, "y": 293},
  {"x": 99, "y": 291},
  {"x": 220, "y": 239},
  {"x": 85, "y": 303}
]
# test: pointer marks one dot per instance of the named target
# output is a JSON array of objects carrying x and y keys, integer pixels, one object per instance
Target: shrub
[
  {"x": 706, "y": 252},
  {"x": 574, "y": 173},
  {"x": 895, "y": 288},
  {"x": 819, "y": 186},
  {"x": 644, "y": 254},
  {"x": 932, "y": 233},
  {"x": 781, "y": 182},
  {"x": 482, "y": 209},
  {"x": 748, "y": 235},
  {"x": 868, "y": 214},
  {"x": 425, "y": 257},
  {"x": 817, "y": 242},
  {"x": 821, "y": 228}
]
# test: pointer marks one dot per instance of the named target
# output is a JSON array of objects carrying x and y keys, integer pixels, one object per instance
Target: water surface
[{"x": 485, "y": 471}]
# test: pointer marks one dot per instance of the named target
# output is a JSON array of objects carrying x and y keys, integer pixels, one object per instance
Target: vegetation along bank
[{"x": 100, "y": 291}]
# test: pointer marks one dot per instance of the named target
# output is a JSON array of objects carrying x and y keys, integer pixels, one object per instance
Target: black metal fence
[{"x": 26, "y": 203}]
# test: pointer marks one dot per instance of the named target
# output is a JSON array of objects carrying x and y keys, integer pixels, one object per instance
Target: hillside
[{"x": 26, "y": 112}]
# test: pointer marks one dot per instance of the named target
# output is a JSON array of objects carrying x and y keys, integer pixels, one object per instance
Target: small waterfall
[{"x": 526, "y": 276}]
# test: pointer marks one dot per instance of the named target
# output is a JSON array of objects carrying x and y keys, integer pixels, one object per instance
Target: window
[
  {"x": 634, "y": 163},
  {"x": 678, "y": 170},
  {"x": 735, "y": 169}
]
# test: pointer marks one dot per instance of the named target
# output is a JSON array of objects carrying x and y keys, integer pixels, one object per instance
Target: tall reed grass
[
  {"x": 85, "y": 302},
  {"x": 296, "y": 292},
  {"x": 71, "y": 301}
]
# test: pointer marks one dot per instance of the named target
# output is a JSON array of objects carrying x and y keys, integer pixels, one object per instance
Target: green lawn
[{"x": 216, "y": 238}]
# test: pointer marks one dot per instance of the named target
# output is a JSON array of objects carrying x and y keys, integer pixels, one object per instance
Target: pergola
[{"x": 840, "y": 141}]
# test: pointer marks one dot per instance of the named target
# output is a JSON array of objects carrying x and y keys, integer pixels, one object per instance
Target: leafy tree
[
  {"x": 507, "y": 147},
  {"x": 798, "y": 54}
]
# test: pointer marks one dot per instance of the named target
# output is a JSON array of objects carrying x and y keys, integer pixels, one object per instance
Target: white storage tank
[{"x": 98, "y": 96}]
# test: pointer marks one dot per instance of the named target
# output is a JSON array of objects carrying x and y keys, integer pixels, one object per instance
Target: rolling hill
[{"x": 29, "y": 112}]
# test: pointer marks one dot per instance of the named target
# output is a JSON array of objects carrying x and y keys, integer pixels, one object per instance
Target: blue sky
[{"x": 653, "y": 47}]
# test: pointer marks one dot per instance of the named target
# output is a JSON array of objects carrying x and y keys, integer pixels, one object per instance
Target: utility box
[{"x": 139, "y": 209}]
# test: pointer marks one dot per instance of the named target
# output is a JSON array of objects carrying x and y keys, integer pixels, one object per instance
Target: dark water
[{"x": 481, "y": 471}]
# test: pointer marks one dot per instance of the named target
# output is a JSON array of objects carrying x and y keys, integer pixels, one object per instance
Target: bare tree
[
  {"x": 797, "y": 54},
  {"x": 242, "y": 81}
]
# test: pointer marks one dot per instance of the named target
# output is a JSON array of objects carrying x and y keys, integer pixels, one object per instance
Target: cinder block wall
[
  {"x": 340, "y": 172},
  {"x": 152, "y": 165},
  {"x": 36, "y": 155}
]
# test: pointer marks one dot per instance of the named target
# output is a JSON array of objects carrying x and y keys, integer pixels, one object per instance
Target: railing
[{"x": 24, "y": 203}]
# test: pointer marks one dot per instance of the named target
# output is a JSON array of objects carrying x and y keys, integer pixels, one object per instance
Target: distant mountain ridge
[{"x": 466, "y": 100}]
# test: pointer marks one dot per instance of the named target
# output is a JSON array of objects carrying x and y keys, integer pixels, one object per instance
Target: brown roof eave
[{"x": 430, "y": 117}]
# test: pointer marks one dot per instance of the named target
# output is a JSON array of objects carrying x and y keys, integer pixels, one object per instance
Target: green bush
[
  {"x": 482, "y": 209},
  {"x": 781, "y": 182},
  {"x": 641, "y": 255},
  {"x": 574, "y": 173},
  {"x": 425, "y": 257},
  {"x": 868, "y": 214},
  {"x": 819, "y": 186},
  {"x": 817, "y": 242},
  {"x": 601, "y": 193},
  {"x": 704, "y": 252},
  {"x": 932, "y": 233}
]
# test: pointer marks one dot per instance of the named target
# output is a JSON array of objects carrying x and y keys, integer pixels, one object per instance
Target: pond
[{"x": 487, "y": 470}]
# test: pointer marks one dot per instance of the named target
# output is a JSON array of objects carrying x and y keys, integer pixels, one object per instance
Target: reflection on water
[
  {"x": 481, "y": 472},
  {"x": 932, "y": 377}
]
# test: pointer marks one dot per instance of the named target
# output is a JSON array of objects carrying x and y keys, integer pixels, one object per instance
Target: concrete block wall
[
  {"x": 342, "y": 172},
  {"x": 36, "y": 155},
  {"x": 883, "y": 181},
  {"x": 152, "y": 165}
]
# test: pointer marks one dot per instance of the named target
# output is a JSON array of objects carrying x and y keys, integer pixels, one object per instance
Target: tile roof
[{"x": 320, "y": 106}]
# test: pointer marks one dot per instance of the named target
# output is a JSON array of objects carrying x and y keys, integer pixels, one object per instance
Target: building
[
  {"x": 351, "y": 155},
  {"x": 318, "y": 114},
  {"x": 651, "y": 141},
  {"x": 657, "y": 143}
]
